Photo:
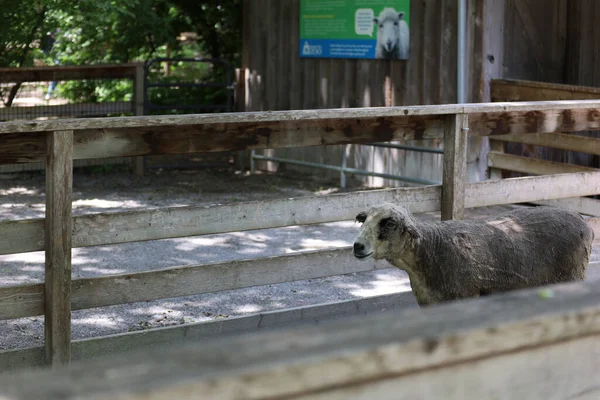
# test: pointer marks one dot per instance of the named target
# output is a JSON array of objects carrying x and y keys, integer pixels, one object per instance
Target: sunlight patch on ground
[
  {"x": 385, "y": 283},
  {"x": 248, "y": 308},
  {"x": 99, "y": 203},
  {"x": 19, "y": 190},
  {"x": 193, "y": 243},
  {"x": 317, "y": 244},
  {"x": 37, "y": 257},
  {"x": 100, "y": 320}
]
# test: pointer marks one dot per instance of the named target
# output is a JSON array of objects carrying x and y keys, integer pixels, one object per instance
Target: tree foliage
[{"x": 112, "y": 31}]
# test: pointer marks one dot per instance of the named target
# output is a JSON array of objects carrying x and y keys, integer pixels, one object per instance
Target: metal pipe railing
[
  {"x": 347, "y": 170},
  {"x": 411, "y": 148}
]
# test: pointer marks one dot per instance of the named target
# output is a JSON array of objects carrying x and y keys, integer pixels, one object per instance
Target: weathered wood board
[{"x": 426, "y": 352}]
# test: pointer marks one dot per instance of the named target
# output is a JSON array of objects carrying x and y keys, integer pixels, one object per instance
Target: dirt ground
[{"x": 107, "y": 189}]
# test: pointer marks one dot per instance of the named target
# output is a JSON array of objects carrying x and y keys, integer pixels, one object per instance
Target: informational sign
[{"x": 355, "y": 29}]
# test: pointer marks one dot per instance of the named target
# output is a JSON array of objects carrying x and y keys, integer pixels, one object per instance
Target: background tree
[{"x": 110, "y": 31}]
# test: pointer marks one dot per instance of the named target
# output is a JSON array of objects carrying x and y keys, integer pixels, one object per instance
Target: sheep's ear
[
  {"x": 361, "y": 217},
  {"x": 401, "y": 15}
]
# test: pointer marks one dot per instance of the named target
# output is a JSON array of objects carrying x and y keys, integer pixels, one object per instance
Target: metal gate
[
  {"x": 172, "y": 86},
  {"x": 227, "y": 84}
]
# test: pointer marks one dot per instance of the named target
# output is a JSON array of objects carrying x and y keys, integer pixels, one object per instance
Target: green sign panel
[{"x": 355, "y": 29}]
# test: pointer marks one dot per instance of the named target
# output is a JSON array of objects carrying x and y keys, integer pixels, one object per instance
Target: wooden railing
[
  {"x": 133, "y": 71},
  {"x": 498, "y": 160},
  {"x": 59, "y": 142}
]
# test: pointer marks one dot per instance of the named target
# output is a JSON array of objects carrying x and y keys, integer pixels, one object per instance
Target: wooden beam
[
  {"x": 139, "y": 136},
  {"x": 171, "y": 222},
  {"x": 65, "y": 110},
  {"x": 84, "y": 349},
  {"x": 184, "y": 139},
  {"x": 88, "y": 293},
  {"x": 58, "y": 229},
  {"x": 321, "y": 117},
  {"x": 520, "y": 90},
  {"x": 528, "y": 165},
  {"x": 455, "y": 166},
  {"x": 582, "y": 205},
  {"x": 67, "y": 73},
  {"x": 437, "y": 347},
  {"x": 583, "y": 144}
]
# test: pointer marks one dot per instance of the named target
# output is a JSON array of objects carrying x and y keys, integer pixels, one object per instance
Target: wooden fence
[
  {"x": 59, "y": 142},
  {"x": 131, "y": 71},
  {"x": 543, "y": 154}
]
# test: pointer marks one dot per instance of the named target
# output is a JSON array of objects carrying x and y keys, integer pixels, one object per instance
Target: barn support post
[
  {"x": 454, "y": 172},
  {"x": 57, "y": 241}
]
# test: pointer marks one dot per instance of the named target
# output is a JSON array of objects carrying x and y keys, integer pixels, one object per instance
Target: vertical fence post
[
  {"x": 138, "y": 99},
  {"x": 57, "y": 241},
  {"x": 344, "y": 165},
  {"x": 455, "y": 166}
]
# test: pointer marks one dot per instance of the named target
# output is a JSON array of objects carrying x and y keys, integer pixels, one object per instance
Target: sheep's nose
[
  {"x": 359, "y": 247},
  {"x": 389, "y": 43}
]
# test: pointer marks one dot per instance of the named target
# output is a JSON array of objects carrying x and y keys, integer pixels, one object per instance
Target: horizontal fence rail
[
  {"x": 429, "y": 353},
  {"x": 23, "y": 142}
]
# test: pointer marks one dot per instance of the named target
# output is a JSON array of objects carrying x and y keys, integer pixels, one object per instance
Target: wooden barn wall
[
  {"x": 552, "y": 41},
  {"x": 278, "y": 79}
]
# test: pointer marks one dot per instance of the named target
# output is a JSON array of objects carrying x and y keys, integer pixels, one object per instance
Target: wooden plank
[
  {"x": 565, "y": 370},
  {"x": 84, "y": 349},
  {"x": 184, "y": 281},
  {"x": 350, "y": 353},
  {"x": 521, "y": 90},
  {"x": 533, "y": 110},
  {"x": 528, "y": 165},
  {"x": 290, "y": 129},
  {"x": 106, "y": 143},
  {"x": 67, "y": 72},
  {"x": 65, "y": 110},
  {"x": 131, "y": 226},
  {"x": 562, "y": 141},
  {"x": 57, "y": 243},
  {"x": 582, "y": 205},
  {"x": 455, "y": 166}
]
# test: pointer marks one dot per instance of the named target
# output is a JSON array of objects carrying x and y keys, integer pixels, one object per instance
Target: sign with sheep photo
[{"x": 365, "y": 29}]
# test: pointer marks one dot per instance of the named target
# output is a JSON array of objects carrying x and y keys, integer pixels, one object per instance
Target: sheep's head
[
  {"x": 385, "y": 232},
  {"x": 388, "y": 28}
]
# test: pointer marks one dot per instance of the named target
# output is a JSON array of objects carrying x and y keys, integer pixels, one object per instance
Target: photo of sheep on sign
[
  {"x": 363, "y": 29},
  {"x": 392, "y": 35}
]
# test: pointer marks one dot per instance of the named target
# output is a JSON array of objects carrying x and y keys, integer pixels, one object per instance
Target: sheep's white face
[
  {"x": 383, "y": 233},
  {"x": 388, "y": 29}
]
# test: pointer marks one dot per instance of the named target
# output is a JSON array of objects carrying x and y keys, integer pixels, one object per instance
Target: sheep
[
  {"x": 392, "y": 35},
  {"x": 457, "y": 259}
]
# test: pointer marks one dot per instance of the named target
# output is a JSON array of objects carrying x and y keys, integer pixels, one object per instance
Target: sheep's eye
[
  {"x": 381, "y": 25},
  {"x": 361, "y": 217},
  {"x": 390, "y": 224},
  {"x": 395, "y": 24}
]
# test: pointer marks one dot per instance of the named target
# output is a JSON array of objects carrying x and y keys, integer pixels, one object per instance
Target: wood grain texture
[
  {"x": 138, "y": 136},
  {"x": 57, "y": 244},
  {"x": 351, "y": 354},
  {"x": 582, "y": 205},
  {"x": 528, "y": 165},
  {"x": 562, "y": 141},
  {"x": 67, "y": 72},
  {"x": 523, "y": 90},
  {"x": 299, "y": 116},
  {"x": 455, "y": 166}
]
